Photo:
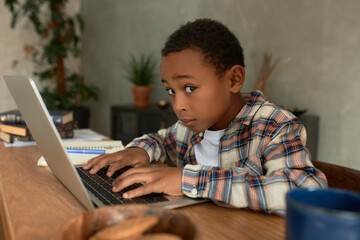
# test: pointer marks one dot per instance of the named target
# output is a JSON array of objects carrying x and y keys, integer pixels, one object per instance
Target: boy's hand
[
  {"x": 157, "y": 179},
  {"x": 134, "y": 157}
]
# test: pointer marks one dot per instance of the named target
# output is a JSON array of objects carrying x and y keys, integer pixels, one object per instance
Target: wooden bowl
[{"x": 85, "y": 225}]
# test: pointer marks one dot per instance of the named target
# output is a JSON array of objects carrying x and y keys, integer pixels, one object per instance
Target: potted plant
[
  {"x": 140, "y": 72},
  {"x": 56, "y": 57}
]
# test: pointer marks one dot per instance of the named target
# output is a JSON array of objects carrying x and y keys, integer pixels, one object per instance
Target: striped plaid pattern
[{"x": 262, "y": 155}]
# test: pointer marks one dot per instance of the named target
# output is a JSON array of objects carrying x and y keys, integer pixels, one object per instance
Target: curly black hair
[{"x": 211, "y": 38}]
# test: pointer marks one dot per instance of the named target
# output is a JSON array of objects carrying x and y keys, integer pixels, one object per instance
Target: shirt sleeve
[
  {"x": 283, "y": 164},
  {"x": 160, "y": 146}
]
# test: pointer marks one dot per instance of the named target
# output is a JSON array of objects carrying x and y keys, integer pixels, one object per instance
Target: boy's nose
[{"x": 179, "y": 103}]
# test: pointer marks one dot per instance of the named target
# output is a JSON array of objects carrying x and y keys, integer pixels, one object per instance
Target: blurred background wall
[{"x": 321, "y": 38}]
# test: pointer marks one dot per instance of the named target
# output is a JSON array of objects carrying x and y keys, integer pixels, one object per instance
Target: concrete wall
[
  {"x": 321, "y": 37},
  {"x": 11, "y": 48}
]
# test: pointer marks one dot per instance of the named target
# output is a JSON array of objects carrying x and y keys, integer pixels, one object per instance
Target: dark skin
[{"x": 192, "y": 85}]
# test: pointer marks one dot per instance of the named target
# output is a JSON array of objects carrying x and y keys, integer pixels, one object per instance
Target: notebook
[
  {"x": 81, "y": 159},
  {"x": 29, "y": 101}
]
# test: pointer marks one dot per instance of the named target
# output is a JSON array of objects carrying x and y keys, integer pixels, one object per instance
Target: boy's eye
[
  {"x": 190, "y": 89},
  {"x": 170, "y": 91}
]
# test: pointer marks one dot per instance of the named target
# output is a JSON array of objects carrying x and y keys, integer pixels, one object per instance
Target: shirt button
[
  {"x": 201, "y": 134},
  {"x": 194, "y": 191}
]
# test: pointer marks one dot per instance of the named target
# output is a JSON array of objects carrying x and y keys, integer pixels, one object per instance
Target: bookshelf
[{"x": 128, "y": 122}]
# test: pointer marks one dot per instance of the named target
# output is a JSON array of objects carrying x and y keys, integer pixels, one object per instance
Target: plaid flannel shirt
[{"x": 262, "y": 155}]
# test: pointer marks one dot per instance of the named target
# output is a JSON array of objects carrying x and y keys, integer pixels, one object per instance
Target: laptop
[{"x": 76, "y": 180}]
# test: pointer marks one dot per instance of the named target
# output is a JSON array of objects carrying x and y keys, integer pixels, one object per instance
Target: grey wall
[{"x": 321, "y": 37}]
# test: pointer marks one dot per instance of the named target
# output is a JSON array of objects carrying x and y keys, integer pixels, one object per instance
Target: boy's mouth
[{"x": 187, "y": 122}]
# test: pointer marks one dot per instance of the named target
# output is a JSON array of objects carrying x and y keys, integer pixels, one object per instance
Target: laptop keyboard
[{"x": 100, "y": 185}]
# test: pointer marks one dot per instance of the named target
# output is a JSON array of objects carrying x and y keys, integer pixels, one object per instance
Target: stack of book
[{"x": 13, "y": 127}]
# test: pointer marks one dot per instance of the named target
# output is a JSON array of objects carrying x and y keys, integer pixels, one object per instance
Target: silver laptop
[{"x": 38, "y": 120}]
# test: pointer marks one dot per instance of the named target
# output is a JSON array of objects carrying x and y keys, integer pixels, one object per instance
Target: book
[
  {"x": 16, "y": 129},
  {"x": 66, "y": 130},
  {"x": 11, "y": 138},
  {"x": 82, "y": 158},
  {"x": 12, "y": 116},
  {"x": 68, "y": 126},
  {"x": 66, "y": 134},
  {"x": 59, "y": 117}
]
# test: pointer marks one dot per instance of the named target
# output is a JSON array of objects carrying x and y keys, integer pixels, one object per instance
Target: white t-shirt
[{"x": 207, "y": 151}]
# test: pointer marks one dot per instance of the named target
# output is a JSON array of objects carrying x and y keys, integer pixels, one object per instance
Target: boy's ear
[{"x": 236, "y": 78}]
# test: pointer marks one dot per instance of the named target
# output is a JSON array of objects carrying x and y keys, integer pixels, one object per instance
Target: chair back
[{"x": 340, "y": 177}]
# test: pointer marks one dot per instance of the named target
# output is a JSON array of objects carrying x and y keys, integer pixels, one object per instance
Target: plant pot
[{"x": 141, "y": 96}]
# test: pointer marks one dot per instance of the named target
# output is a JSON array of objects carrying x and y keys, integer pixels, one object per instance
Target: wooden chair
[{"x": 340, "y": 177}]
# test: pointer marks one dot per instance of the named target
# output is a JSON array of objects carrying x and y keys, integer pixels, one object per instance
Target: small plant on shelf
[{"x": 141, "y": 72}]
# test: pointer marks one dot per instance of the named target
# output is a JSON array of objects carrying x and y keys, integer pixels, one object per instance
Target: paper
[
  {"x": 81, "y": 158},
  {"x": 109, "y": 146},
  {"x": 76, "y": 159},
  {"x": 79, "y": 135}
]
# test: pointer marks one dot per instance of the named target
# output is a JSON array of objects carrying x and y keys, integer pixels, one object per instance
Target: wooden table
[{"x": 34, "y": 205}]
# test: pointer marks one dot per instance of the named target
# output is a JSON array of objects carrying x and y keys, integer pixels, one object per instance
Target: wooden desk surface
[{"x": 34, "y": 205}]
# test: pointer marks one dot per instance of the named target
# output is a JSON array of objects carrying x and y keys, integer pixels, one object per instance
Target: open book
[{"x": 82, "y": 158}]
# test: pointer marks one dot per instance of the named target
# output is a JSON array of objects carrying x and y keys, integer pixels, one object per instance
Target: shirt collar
[
  {"x": 248, "y": 111},
  {"x": 246, "y": 114}
]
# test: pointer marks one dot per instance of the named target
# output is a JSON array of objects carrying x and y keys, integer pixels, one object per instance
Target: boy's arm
[
  {"x": 154, "y": 144},
  {"x": 284, "y": 162}
]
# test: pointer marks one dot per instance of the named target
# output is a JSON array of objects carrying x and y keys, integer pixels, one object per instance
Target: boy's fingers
[
  {"x": 140, "y": 191},
  {"x": 125, "y": 161},
  {"x": 135, "y": 157},
  {"x": 135, "y": 177},
  {"x": 99, "y": 162},
  {"x": 157, "y": 179},
  {"x": 116, "y": 166},
  {"x": 92, "y": 162},
  {"x": 134, "y": 171}
]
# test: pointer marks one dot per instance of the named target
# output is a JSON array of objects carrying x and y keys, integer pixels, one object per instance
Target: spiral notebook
[{"x": 82, "y": 158}]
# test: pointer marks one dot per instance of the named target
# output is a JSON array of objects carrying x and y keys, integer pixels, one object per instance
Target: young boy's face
[{"x": 201, "y": 100}]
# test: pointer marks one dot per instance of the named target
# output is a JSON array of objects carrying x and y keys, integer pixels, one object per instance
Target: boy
[{"x": 240, "y": 154}]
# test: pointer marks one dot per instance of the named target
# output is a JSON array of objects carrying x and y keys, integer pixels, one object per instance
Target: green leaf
[
  {"x": 11, "y": 4},
  {"x": 14, "y": 19},
  {"x": 45, "y": 75},
  {"x": 140, "y": 71},
  {"x": 80, "y": 21},
  {"x": 14, "y": 63},
  {"x": 58, "y": 37}
]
